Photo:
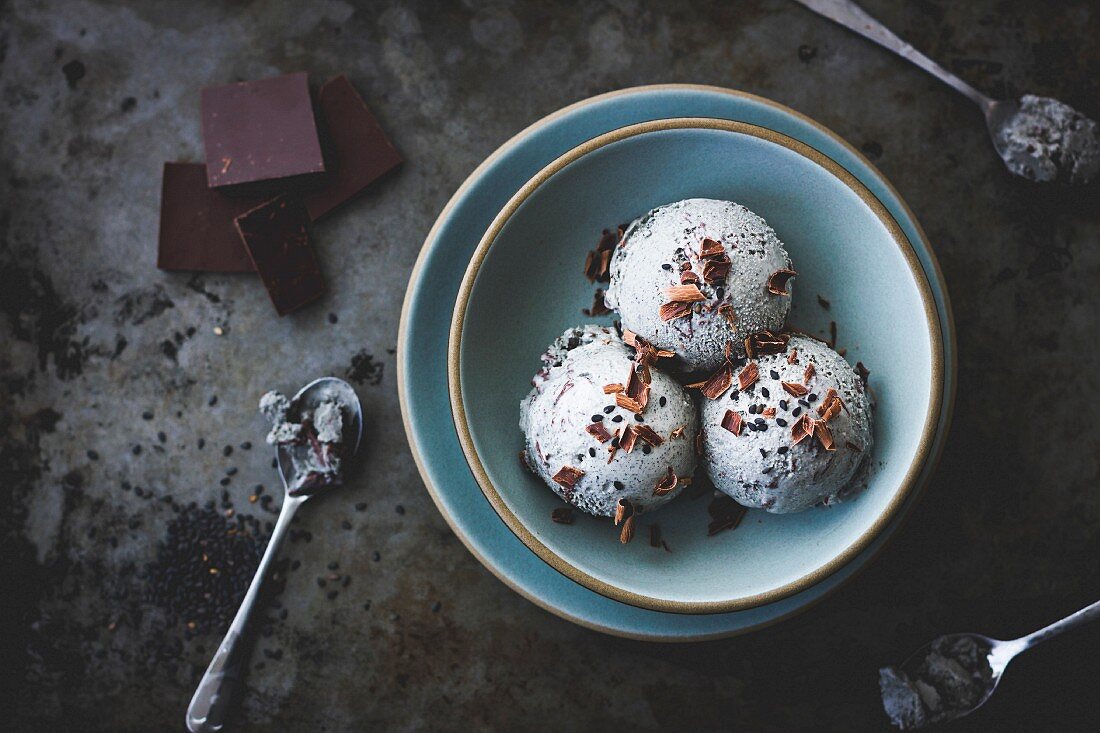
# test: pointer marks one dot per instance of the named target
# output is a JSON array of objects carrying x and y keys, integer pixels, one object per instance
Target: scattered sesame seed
[
  {"x": 617, "y": 418},
  {"x": 781, "y": 449},
  {"x": 780, "y": 422},
  {"x": 609, "y": 409},
  {"x": 597, "y": 418}
]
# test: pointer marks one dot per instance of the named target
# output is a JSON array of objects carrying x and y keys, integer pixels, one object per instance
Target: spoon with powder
[
  {"x": 315, "y": 433},
  {"x": 955, "y": 674},
  {"x": 1039, "y": 138}
]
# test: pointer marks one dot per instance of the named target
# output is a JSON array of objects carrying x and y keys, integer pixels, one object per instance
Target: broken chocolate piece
[
  {"x": 277, "y": 238},
  {"x": 733, "y": 422},
  {"x": 685, "y": 294},
  {"x": 672, "y": 311},
  {"x": 711, "y": 248},
  {"x": 357, "y": 151},
  {"x": 598, "y": 431},
  {"x": 748, "y": 375},
  {"x": 718, "y": 382},
  {"x": 599, "y": 308},
  {"x": 794, "y": 389},
  {"x": 777, "y": 281},
  {"x": 763, "y": 343},
  {"x": 716, "y": 270},
  {"x": 809, "y": 373},
  {"x": 726, "y": 311},
  {"x": 260, "y": 136},
  {"x": 196, "y": 224},
  {"x": 567, "y": 477},
  {"x": 667, "y": 484},
  {"x": 630, "y": 437},
  {"x": 648, "y": 434}
]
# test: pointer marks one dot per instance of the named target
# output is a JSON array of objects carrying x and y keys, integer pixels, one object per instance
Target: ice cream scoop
[
  {"x": 596, "y": 437},
  {"x": 792, "y": 431},
  {"x": 694, "y": 275}
]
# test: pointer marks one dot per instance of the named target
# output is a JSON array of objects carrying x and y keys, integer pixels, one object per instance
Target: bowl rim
[{"x": 518, "y": 528}]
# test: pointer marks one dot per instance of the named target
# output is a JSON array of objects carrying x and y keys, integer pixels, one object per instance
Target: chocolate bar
[
  {"x": 196, "y": 224},
  {"x": 276, "y": 236},
  {"x": 260, "y": 136},
  {"x": 357, "y": 151}
]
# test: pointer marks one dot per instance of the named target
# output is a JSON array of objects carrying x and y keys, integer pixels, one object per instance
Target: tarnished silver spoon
[
  {"x": 954, "y": 675},
  {"x": 212, "y": 700},
  {"x": 1039, "y": 138}
]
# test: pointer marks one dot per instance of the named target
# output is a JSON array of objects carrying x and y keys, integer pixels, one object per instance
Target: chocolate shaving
[
  {"x": 623, "y": 510},
  {"x": 715, "y": 271},
  {"x": 685, "y": 294},
  {"x": 863, "y": 372},
  {"x": 613, "y": 388},
  {"x": 628, "y": 404},
  {"x": 832, "y": 335},
  {"x": 567, "y": 477},
  {"x": 733, "y": 422},
  {"x": 598, "y": 431},
  {"x": 823, "y": 303},
  {"x": 793, "y": 356},
  {"x": 795, "y": 389},
  {"x": 596, "y": 265},
  {"x": 648, "y": 434},
  {"x": 802, "y": 429},
  {"x": 630, "y": 338},
  {"x": 667, "y": 484},
  {"x": 711, "y": 248},
  {"x": 748, "y": 375},
  {"x": 699, "y": 442},
  {"x": 769, "y": 412},
  {"x": 598, "y": 308},
  {"x": 676, "y": 433},
  {"x": 630, "y": 437},
  {"x": 725, "y": 514},
  {"x": 719, "y": 382},
  {"x": 726, "y": 311},
  {"x": 562, "y": 515},
  {"x": 763, "y": 343},
  {"x": 688, "y": 277},
  {"x": 777, "y": 281},
  {"x": 823, "y": 435},
  {"x": 831, "y": 406},
  {"x": 809, "y": 373},
  {"x": 613, "y": 446},
  {"x": 674, "y": 310},
  {"x": 654, "y": 535},
  {"x": 852, "y": 446},
  {"x": 627, "y": 533}
]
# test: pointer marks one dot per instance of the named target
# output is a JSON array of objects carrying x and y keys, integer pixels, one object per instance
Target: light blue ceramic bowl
[{"x": 524, "y": 286}]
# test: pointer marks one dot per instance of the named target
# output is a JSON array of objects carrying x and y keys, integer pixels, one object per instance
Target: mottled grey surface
[{"x": 95, "y": 95}]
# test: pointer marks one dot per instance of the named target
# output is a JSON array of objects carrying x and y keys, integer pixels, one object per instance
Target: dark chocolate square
[
  {"x": 261, "y": 135},
  {"x": 196, "y": 224},
  {"x": 276, "y": 235},
  {"x": 357, "y": 151}
]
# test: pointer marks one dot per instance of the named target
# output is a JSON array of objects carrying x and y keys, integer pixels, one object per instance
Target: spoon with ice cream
[
  {"x": 1039, "y": 138},
  {"x": 316, "y": 433},
  {"x": 955, "y": 674}
]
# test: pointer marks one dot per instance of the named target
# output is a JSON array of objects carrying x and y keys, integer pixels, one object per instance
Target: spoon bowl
[{"x": 307, "y": 398}]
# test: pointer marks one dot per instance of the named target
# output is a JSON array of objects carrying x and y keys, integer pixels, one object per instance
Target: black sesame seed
[
  {"x": 231, "y": 471},
  {"x": 136, "y": 450},
  {"x": 766, "y": 469},
  {"x": 797, "y": 411},
  {"x": 212, "y": 401},
  {"x": 780, "y": 422},
  {"x": 619, "y": 485},
  {"x": 146, "y": 415},
  {"x": 764, "y": 391},
  {"x": 773, "y": 374},
  {"x": 376, "y": 556},
  {"x": 161, "y": 436},
  {"x": 591, "y": 452},
  {"x": 399, "y": 509},
  {"x": 762, "y": 428},
  {"x": 93, "y": 456},
  {"x": 597, "y": 418},
  {"x": 781, "y": 449},
  {"x": 345, "y": 524},
  {"x": 783, "y": 405},
  {"x": 202, "y": 443},
  {"x": 760, "y": 421},
  {"x": 763, "y": 453},
  {"x": 617, "y": 418},
  {"x": 227, "y": 450},
  {"x": 812, "y": 397},
  {"x": 609, "y": 409},
  {"x": 436, "y": 607},
  {"x": 225, "y": 481},
  {"x": 666, "y": 266},
  {"x": 663, "y": 401},
  {"x": 804, "y": 403},
  {"x": 360, "y": 506},
  {"x": 638, "y": 417},
  {"x": 645, "y": 449},
  {"x": 246, "y": 445},
  {"x": 332, "y": 318}
]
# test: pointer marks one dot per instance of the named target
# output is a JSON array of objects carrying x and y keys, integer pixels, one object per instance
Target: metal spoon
[
  {"x": 210, "y": 705},
  {"x": 997, "y": 654},
  {"x": 1038, "y": 138}
]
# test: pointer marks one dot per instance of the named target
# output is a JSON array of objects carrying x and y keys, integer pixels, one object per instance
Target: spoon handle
[
  {"x": 853, "y": 17},
  {"x": 210, "y": 705},
  {"x": 1088, "y": 613}
]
